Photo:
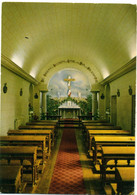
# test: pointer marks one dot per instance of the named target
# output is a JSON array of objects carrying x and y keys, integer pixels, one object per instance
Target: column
[
  {"x": 73, "y": 113},
  {"x": 94, "y": 103},
  {"x": 59, "y": 112},
  {"x": 78, "y": 113},
  {"x": 40, "y": 100},
  {"x": 64, "y": 115},
  {"x": 44, "y": 98}
]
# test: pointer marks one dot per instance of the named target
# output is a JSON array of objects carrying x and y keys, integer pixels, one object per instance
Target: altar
[{"x": 69, "y": 110}]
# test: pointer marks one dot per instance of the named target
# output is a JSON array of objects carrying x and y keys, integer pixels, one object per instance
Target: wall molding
[
  {"x": 8, "y": 64},
  {"x": 72, "y": 61},
  {"x": 131, "y": 65}
]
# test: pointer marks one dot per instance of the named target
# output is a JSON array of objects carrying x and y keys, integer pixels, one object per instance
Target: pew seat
[
  {"x": 108, "y": 132},
  {"x": 98, "y": 141},
  {"x": 52, "y": 136},
  {"x": 103, "y": 127},
  {"x": 45, "y": 121},
  {"x": 26, "y": 155},
  {"x": 37, "y": 127},
  {"x": 27, "y": 166},
  {"x": 97, "y": 124},
  {"x": 91, "y": 133},
  {"x": 125, "y": 179},
  {"x": 11, "y": 179},
  {"x": 38, "y": 141},
  {"x": 124, "y": 153},
  {"x": 95, "y": 121},
  {"x": 41, "y": 123},
  {"x": 26, "y": 132},
  {"x": 99, "y": 127}
]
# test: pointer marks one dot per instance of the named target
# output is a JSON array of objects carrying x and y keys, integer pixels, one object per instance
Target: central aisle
[{"x": 67, "y": 177}]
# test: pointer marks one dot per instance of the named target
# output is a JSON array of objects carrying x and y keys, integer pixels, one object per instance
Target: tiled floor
[
  {"x": 91, "y": 180},
  {"x": 68, "y": 176}
]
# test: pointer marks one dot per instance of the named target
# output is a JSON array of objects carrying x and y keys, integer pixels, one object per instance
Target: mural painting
[{"x": 69, "y": 85}]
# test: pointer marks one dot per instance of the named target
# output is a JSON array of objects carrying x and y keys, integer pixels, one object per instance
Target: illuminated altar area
[{"x": 69, "y": 110}]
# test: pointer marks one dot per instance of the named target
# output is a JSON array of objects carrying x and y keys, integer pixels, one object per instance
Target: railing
[
  {"x": 85, "y": 117},
  {"x": 50, "y": 117}
]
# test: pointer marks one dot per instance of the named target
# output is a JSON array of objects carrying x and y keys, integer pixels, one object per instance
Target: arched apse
[
  {"x": 89, "y": 70},
  {"x": 57, "y": 87}
]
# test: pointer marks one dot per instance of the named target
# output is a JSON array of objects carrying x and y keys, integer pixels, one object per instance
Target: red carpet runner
[{"x": 67, "y": 176}]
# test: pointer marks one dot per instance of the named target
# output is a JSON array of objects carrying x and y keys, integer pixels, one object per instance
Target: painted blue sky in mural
[{"x": 79, "y": 88}]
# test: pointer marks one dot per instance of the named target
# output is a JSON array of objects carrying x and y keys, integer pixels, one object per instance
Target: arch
[{"x": 91, "y": 71}]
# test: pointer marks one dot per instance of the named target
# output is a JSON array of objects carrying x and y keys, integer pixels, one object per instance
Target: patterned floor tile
[{"x": 67, "y": 176}]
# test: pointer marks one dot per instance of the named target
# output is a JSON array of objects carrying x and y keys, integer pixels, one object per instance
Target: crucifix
[{"x": 69, "y": 80}]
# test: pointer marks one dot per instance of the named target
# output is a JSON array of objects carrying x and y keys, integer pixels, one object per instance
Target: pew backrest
[{"x": 103, "y": 127}]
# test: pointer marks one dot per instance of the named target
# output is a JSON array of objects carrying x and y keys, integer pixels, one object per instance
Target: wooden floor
[{"x": 91, "y": 179}]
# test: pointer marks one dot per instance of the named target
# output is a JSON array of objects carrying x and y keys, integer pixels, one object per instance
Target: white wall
[
  {"x": 13, "y": 106},
  {"x": 124, "y": 102}
]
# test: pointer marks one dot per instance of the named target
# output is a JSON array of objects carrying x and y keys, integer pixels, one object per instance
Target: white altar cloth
[{"x": 69, "y": 109}]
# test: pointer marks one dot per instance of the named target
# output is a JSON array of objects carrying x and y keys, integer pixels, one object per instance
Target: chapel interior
[{"x": 68, "y": 98}]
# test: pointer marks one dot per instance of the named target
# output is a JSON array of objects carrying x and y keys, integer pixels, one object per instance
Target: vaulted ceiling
[{"x": 43, "y": 38}]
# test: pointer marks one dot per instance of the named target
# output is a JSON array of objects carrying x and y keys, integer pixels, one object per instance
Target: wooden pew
[
  {"x": 116, "y": 154},
  {"x": 21, "y": 153},
  {"x": 108, "y": 132},
  {"x": 39, "y": 127},
  {"x": 38, "y": 141},
  {"x": 95, "y": 121},
  {"x": 52, "y": 122},
  {"x": 97, "y": 124},
  {"x": 41, "y": 124},
  {"x": 45, "y": 121},
  {"x": 89, "y": 125},
  {"x": 125, "y": 179},
  {"x": 98, "y": 141},
  {"x": 51, "y": 127},
  {"x": 100, "y": 127},
  {"x": 11, "y": 179},
  {"x": 46, "y": 133},
  {"x": 91, "y": 133},
  {"x": 47, "y": 125},
  {"x": 103, "y": 127}
]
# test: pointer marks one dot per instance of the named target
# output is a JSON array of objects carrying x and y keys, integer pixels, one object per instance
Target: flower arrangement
[{"x": 54, "y": 103}]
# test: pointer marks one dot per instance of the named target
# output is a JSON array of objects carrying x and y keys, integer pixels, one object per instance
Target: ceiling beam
[
  {"x": 131, "y": 65},
  {"x": 10, "y": 65}
]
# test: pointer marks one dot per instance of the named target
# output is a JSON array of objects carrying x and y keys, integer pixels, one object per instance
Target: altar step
[
  {"x": 69, "y": 123},
  {"x": 68, "y": 126},
  {"x": 69, "y": 120}
]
